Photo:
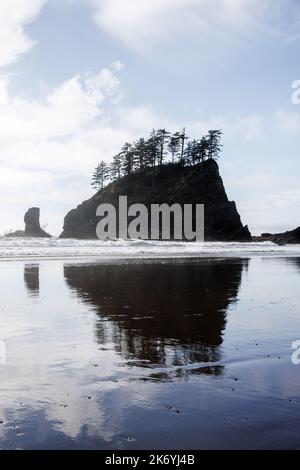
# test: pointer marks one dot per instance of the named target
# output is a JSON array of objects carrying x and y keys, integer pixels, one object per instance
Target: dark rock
[
  {"x": 32, "y": 226},
  {"x": 16, "y": 234},
  {"x": 266, "y": 235},
  {"x": 173, "y": 184},
  {"x": 287, "y": 238},
  {"x": 292, "y": 237}
]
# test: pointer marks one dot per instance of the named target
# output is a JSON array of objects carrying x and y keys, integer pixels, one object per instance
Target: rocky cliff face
[
  {"x": 32, "y": 225},
  {"x": 172, "y": 184}
]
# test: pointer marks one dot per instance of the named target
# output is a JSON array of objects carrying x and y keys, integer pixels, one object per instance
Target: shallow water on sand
[{"x": 169, "y": 354}]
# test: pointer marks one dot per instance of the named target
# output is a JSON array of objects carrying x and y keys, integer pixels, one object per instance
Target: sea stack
[
  {"x": 32, "y": 225},
  {"x": 200, "y": 184}
]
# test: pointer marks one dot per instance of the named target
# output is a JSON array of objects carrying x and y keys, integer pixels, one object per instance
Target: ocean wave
[{"x": 16, "y": 248}]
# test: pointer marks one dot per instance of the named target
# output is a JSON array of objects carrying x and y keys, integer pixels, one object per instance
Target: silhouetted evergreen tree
[
  {"x": 174, "y": 146},
  {"x": 140, "y": 151},
  {"x": 202, "y": 149},
  {"x": 162, "y": 136},
  {"x": 183, "y": 138},
  {"x": 100, "y": 175},
  {"x": 127, "y": 158},
  {"x": 152, "y": 152},
  {"x": 115, "y": 168},
  {"x": 214, "y": 145},
  {"x": 191, "y": 153}
]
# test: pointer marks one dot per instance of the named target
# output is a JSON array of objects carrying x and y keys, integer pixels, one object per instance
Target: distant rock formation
[
  {"x": 32, "y": 226},
  {"x": 201, "y": 184},
  {"x": 286, "y": 238}
]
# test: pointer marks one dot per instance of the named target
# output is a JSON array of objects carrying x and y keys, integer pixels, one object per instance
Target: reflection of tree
[
  {"x": 170, "y": 314},
  {"x": 31, "y": 279}
]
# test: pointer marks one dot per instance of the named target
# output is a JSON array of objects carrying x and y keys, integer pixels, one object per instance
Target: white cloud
[
  {"x": 66, "y": 110},
  {"x": 287, "y": 121},
  {"x": 285, "y": 198},
  {"x": 269, "y": 201},
  {"x": 245, "y": 128},
  {"x": 118, "y": 65},
  {"x": 49, "y": 148},
  {"x": 14, "y": 15},
  {"x": 143, "y": 118},
  {"x": 105, "y": 81},
  {"x": 142, "y": 24}
]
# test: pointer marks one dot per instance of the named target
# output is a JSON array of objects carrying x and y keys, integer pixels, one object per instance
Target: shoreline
[{"x": 73, "y": 250}]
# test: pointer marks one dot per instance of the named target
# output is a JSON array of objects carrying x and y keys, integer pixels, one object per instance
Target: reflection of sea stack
[
  {"x": 32, "y": 280},
  {"x": 165, "y": 314},
  {"x": 32, "y": 225}
]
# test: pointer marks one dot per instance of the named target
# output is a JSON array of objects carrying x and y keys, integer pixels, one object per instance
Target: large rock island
[{"x": 200, "y": 184}]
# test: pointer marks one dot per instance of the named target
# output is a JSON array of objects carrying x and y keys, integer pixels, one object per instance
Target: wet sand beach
[{"x": 150, "y": 354}]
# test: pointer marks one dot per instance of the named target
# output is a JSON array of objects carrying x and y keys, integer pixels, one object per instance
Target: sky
[{"x": 79, "y": 78}]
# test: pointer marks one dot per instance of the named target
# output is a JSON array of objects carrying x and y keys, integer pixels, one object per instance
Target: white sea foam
[{"x": 24, "y": 248}]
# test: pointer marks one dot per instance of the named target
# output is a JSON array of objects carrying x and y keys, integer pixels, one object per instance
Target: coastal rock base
[{"x": 286, "y": 238}]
